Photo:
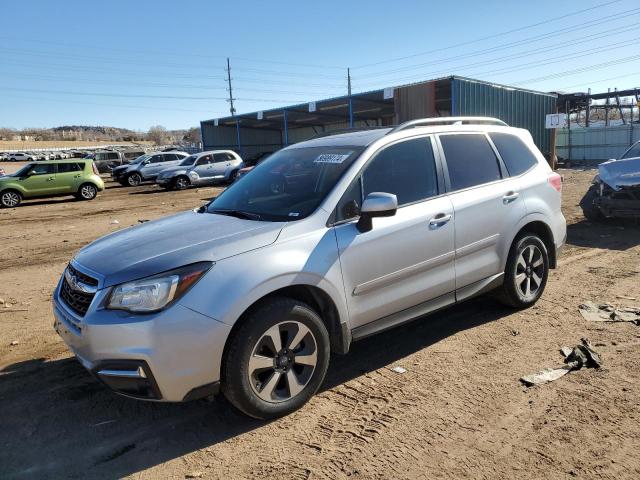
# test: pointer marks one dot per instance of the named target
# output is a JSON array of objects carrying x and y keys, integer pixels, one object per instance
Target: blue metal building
[{"x": 269, "y": 130}]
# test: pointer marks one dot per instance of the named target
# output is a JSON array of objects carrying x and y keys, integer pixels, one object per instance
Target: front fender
[{"x": 236, "y": 283}]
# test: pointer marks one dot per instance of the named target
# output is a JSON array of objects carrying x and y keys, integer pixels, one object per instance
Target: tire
[
  {"x": 87, "y": 191},
  {"x": 181, "y": 183},
  {"x": 134, "y": 179},
  {"x": 258, "y": 377},
  {"x": 232, "y": 176},
  {"x": 525, "y": 276},
  {"x": 589, "y": 209},
  {"x": 10, "y": 199}
]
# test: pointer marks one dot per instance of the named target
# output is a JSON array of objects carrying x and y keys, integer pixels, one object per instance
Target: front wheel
[
  {"x": 526, "y": 272},
  {"x": 10, "y": 199},
  {"x": 181, "y": 183},
  {"x": 134, "y": 179},
  {"x": 276, "y": 360},
  {"x": 589, "y": 209}
]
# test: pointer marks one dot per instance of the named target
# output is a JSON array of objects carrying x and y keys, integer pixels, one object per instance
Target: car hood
[
  {"x": 121, "y": 168},
  {"x": 620, "y": 173},
  {"x": 171, "y": 242}
]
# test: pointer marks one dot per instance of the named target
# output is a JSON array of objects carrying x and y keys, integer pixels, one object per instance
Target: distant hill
[{"x": 98, "y": 133}]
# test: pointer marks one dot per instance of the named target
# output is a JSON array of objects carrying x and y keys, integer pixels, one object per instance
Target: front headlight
[{"x": 155, "y": 293}]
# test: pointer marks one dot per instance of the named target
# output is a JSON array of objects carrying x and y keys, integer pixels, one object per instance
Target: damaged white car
[{"x": 615, "y": 191}]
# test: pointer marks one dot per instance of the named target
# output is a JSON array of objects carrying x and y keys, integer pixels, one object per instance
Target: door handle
[
  {"x": 439, "y": 220},
  {"x": 510, "y": 197}
]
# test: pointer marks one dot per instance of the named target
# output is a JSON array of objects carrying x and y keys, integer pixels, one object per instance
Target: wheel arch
[
  {"x": 316, "y": 298},
  {"x": 542, "y": 230}
]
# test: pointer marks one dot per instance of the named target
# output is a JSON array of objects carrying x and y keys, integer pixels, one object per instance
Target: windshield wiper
[{"x": 238, "y": 214}]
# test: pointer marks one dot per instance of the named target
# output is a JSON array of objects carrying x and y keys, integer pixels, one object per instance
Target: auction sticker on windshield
[{"x": 336, "y": 158}]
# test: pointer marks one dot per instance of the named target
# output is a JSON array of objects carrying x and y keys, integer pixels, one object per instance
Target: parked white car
[{"x": 21, "y": 157}]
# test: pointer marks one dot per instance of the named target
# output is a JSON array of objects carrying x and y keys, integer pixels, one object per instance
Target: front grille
[
  {"x": 77, "y": 300},
  {"x": 86, "y": 279}
]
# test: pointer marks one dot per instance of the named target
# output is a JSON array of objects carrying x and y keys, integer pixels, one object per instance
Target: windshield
[
  {"x": 289, "y": 185},
  {"x": 633, "y": 152},
  {"x": 189, "y": 160},
  {"x": 141, "y": 158},
  {"x": 22, "y": 171}
]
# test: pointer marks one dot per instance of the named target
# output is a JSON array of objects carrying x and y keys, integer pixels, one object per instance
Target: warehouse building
[{"x": 269, "y": 130}]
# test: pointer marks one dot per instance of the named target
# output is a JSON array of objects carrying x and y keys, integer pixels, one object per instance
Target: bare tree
[
  {"x": 192, "y": 135},
  {"x": 157, "y": 134}
]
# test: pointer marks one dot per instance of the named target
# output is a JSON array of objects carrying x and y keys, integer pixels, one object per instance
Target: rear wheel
[
  {"x": 589, "y": 208},
  {"x": 276, "y": 359},
  {"x": 134, "y": 179},
  {"x": 87, "y": 191},
  {"x": 181, "y": 182},
  {"x": 232, "y": 176},
  {"x": 10, "y": 198},
  {"x": 526, "y": 272}
]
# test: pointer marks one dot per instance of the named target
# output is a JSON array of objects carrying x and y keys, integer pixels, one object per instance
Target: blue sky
[{"x": 139, "y": 63}]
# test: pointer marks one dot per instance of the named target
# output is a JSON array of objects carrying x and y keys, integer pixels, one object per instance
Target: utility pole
[
  {"x": 350, "y": 101},
  {"x": 231, "y": 99}
]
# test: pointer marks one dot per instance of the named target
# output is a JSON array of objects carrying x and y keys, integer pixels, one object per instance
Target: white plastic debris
[
  {"x": 114, "y": 222},
  {"x": 605, "y": 312},
  {"x": 399, "y": 370}
]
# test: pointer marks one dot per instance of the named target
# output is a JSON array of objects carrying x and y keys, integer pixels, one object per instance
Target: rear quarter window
[{"x": 517, "y": 157}]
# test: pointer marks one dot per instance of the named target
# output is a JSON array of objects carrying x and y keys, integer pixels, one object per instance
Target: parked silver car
[
  {"x": 326, "y": 242},
  {"x": 205, "y": 168},
  {"x": 146, "y": 167}
]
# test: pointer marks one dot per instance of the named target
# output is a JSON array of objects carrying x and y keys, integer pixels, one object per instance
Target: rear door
[
  {"x": 486, "y": 202},
  {"x": 68, "y": 177},
  {"x": 406, "y": 259},
  {"x": 222, "y": 161}
]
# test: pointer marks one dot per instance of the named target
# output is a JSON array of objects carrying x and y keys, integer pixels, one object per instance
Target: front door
[
  {"x": 40, "y": 180},
  {"x": 406, "y": 259}
]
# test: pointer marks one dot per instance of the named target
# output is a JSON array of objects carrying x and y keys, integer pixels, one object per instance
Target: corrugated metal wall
[
  {"x": 252, "y": 140},
  {"x": 596, "y": 144},
  {"x": 415, "y": 101},
  {"x": 519, "y": 108}
]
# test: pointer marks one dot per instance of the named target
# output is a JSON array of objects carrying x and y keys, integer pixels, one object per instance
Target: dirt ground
[{"x": 459, "y": 411}]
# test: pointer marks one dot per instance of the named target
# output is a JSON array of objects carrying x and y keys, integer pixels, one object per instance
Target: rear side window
[
  {"x": 113, "y": 156},
  {"x": 470, "y": 160},
  {"x": 406, "y": 169},
  {"x": 517, "y": 157},
  {"x": 69, "y": 167},
  {"x": 220, "y": 157}
]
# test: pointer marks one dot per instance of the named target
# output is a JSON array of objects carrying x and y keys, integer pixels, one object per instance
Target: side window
[
  {"x": 206, "y": 160},
  {"x": 157, "y": 159},
  {"x": 517, "y": 157},
  {"x": 68, "y": 167},
  {"x": 220, "y": 157},
  {"x": 407, "y": 169},
  {"x": 46, "y": 169},
  {"x": 169, "y": 157},
  {"x": 470, "y": 160},
  {"x": 113, "y": 156}
]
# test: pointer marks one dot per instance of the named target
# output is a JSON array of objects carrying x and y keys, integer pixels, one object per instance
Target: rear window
[
  {"x": 517, "y": 157},
  {"x": 470, "y": 160}
]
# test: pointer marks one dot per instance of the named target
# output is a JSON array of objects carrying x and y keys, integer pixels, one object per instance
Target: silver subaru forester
[{"x": 325, "y": 242}]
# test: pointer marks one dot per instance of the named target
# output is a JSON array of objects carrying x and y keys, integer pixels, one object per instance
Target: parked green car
[{"x": 78, "y": 177}]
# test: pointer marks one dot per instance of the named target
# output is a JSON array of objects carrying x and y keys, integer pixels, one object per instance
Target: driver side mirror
[{"x": 377, "y": 204}]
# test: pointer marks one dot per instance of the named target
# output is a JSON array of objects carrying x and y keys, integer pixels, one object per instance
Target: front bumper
[{"x": 173, "y": 355}]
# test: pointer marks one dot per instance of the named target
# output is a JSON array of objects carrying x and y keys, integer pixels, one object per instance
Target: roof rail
[
  {"x": 338, "y": 131},
  {"x": 424, "y": 122}
]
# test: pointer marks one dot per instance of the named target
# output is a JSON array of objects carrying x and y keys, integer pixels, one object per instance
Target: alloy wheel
[
  {"x": 182, "y": 183},
  {"x": 88, "y": 192},
  {"x": 283, "y": 361},
  {"x": 529, "y": 271},
  {"x": 10, "y": 199},
  {"x": 134, "y": 180}
]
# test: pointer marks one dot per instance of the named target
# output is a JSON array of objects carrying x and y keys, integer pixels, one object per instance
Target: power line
[
  {"x": 117, "y": 95},
  {"x": 496, "y": 35},
  {"x": 591, "y": 82},
  {"x": 582, "y": 39}
]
